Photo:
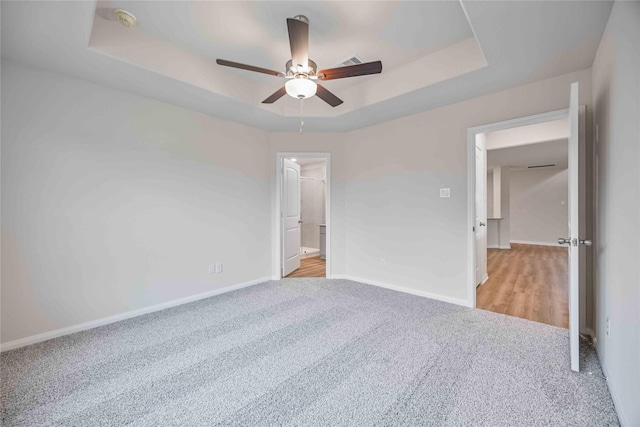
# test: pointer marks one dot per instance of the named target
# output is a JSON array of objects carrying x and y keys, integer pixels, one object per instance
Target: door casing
[
  {"x": 471, "y": 197},
  {"x": 277, "y": 210},
  {"x": 471, "y": 190}
]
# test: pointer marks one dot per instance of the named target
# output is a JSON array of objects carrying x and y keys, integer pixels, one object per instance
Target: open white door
[
  {"x": 290, "y": 217},
  {"x": 576, "y": 139},
  {"x": 481, "y": 209}
]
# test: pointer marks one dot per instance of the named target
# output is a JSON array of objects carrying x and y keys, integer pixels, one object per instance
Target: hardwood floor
[
  {"x": 311, "y": 267},
  {"x": 527, "y": 281}
]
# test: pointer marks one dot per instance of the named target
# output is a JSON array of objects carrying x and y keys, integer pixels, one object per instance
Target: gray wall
[
  {"x": 490, "y": 194},
  {"x": 538, "y": 215},
  {"x": 616, "y": 99},
  {"x": 112, "y": 202},
  {"x": 312, "y": 199},
  {"x": 393, "y": 176}
]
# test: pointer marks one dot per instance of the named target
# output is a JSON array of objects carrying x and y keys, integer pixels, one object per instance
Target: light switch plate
[{"x": 445, "y": 193}]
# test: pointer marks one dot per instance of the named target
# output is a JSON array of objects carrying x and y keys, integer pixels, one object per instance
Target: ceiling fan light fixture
[{"x": 301, "y": 88}]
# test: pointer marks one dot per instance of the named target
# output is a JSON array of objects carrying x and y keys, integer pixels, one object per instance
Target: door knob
[
  {"x": 482, "y": 224},
  {"x": 586, "y": 242},
  {"x": 562, "y": 241},
  {"x": 299, "y": 221}
]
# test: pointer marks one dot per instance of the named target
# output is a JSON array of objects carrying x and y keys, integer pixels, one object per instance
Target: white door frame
[
  {"x": 471, "y": 183},
  {"x": 277, "y": 241}
]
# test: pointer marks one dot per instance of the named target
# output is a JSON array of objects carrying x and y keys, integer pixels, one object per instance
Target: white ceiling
[
  {"x": 433, "y": 53},
  {"x": 530, "y": 134},
  {"x": 523, "y": 156},
  {"x": 308, "y": 160},
  {"x": 520, "y": 147}
]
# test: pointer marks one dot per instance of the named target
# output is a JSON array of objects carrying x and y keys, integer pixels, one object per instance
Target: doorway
[
  {"x": 526, "y": 207},
  {"x": 522, "y": 190},
  {"x": 303, "y": 215},
  {"x": 576, "y": 239}
]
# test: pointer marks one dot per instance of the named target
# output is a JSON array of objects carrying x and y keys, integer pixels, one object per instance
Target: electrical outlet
[
  {"x": 383, "y": 263},
  {"x": 607, "y": 327},
  {"x": 445, "y": 193},
  {"x": 215, "y": 268}
]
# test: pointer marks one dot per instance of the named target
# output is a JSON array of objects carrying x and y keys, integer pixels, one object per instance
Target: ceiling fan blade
[
  {"x": 374, "y": 67},
  {"x": 248, "y": 67},
  {"x": 275, "y": 96},
  {"x": 328, "y": 97},
  {"x": 299, "y": 41}
]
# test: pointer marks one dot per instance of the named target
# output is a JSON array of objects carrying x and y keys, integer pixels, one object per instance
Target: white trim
[
  {"x": 471, "y": 219},
  {"x": 498, "y": 247},
  {"x": 529, "y": 242},
  {"x": 22, "y": 342},
  {"x": 277, "y": 237},
  {"x": 456, "y": 301},
  {"x": 471, "y": 184}
]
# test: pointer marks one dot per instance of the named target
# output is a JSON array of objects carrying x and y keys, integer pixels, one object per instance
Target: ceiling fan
[{"x": 302, "y": 71}]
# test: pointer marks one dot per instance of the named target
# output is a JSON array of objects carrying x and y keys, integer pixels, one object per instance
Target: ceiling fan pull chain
[{"x": 301, "y": 116}]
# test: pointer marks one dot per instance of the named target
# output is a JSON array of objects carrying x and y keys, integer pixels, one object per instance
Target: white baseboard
[
  {"x": 22, "y": 342},
  {"x": 528, "y": 242},
  {"x": 456, "y": 301},
  {"x": 498, "y": 247},
  {"x": 614, "y": 394}
]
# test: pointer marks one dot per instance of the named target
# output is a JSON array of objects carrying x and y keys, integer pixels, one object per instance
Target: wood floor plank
[
  {"x": 310, "y": 267},
  {"x": 527, "y": 281}
]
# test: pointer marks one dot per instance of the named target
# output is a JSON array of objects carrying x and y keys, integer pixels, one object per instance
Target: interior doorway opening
[
  {"x": 303, "y": 220},
  {"x": 522, "y": 190},
  {"x": 520, "y": 208},
  {"x": 576, "y": 218}
]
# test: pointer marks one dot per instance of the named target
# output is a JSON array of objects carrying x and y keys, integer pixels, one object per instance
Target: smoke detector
[{"x": 125, "y": 18}]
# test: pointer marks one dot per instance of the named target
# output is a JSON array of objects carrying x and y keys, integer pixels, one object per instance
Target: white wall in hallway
[
  {"x": 312, "y": 200},
  {"x": 539, "y": 210}
]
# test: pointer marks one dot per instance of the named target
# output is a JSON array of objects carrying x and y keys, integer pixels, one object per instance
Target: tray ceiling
[{"x": 433, "y": 53}]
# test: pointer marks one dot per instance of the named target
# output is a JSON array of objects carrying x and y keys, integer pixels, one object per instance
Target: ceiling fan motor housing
[
  {"x": 291, "y": 70},
  {"x": 301, "y": 72}
]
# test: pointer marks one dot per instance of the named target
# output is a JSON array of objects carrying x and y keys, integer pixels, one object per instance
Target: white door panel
[
  {"x": 576, "y": 262},
  {"x": 481, "y": 209},
  {"x": 290, "y": 217}
]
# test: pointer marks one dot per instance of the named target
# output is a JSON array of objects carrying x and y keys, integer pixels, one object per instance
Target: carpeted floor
[{"x": 307, "y": 352}]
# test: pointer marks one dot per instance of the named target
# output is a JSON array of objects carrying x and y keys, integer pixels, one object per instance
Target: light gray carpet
[{"x": 307, "y": 352}]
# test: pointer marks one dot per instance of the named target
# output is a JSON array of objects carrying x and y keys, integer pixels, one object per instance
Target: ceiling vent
[
  {"x": 353, "y": 60},
  {"x": 541, "y": 166}
]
